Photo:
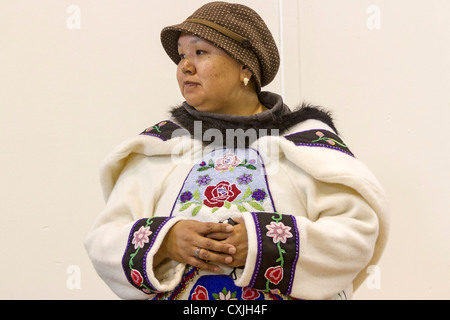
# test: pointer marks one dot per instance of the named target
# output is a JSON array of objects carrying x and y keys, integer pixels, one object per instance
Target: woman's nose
[{"x": 187, "y": 66}]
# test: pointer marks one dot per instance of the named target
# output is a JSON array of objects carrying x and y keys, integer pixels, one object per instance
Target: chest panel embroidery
[{"x": 225, "y": 181}]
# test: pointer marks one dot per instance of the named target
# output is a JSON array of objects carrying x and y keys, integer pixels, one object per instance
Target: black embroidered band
[
  {"x": 140, "y": 241},
  {"x": 319, "y": 138},
  {"x": 278, "y": 251},
  {"x": 165, "y": 130}
]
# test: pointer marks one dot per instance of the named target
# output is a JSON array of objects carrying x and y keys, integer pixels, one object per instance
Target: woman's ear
[{"x": 246, "y": 75}]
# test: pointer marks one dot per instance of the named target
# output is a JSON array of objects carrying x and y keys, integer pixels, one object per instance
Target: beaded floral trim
[
  {"x": 163, "y": 130},
  {"x": 278, "y": 244},
  {"x": 319, "y": 138},
  {"x": 140, "y": 241},
  {"x": 226, "y": 179}
]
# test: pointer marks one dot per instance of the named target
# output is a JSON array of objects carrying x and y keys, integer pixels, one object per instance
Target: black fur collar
[{"x": 278, "y": 117}]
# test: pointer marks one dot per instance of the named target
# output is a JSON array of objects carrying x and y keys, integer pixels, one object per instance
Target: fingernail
[
  {"x": 228, "y": 260},
  {"x": 229, "y": 228},
  {"x": 232, "y": 250}
]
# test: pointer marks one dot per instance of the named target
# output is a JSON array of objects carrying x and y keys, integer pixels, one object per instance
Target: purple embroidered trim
[
  {"x": 181, "y": 189},
  {"x": 297, "y": 250},
  {"x": 134, "y": 261},
  {"x": 278, "y": 246},
  {"x": 153, "y": 135},
  {"x": 155, "y": 234},
  {"x": 324, "y": 146},
  {"x": 259, "y": 253},
  {"x": 128, "y": 244},
  {"x": 265, "y": 177},
  {"x": 163, "y": 130},
  {"x": 319, "y": 138}
]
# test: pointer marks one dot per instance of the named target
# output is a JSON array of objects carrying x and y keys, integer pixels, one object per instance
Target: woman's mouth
[{"x": 190, "y": 84}]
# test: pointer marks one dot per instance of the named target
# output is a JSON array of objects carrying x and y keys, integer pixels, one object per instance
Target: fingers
[
  {"x": 203, "y": 258},
  {"x": 214, "y": 245},
  {"x": 218, "y": 236},
  {"x": 210, "y": 227},
  {"x": 187, "y": 236},
  {"x": 211, "y": 251},
  {"x": 238, "y": 238},
  {"x": 210, "y": 256},
  {"x": 203, "y": 265},
  {"x": 223, "y": 235}
]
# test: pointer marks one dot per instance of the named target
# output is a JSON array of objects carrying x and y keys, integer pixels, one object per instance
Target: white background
[{"x": 69, "y": 95}]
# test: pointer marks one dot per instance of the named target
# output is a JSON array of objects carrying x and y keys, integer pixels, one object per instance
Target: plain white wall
[
  {"x": 69, "y": 95},
  {"x": 389, "y": 89}
]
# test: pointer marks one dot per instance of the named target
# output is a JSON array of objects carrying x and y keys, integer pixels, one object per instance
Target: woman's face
[{"x": 210, "y": 80}]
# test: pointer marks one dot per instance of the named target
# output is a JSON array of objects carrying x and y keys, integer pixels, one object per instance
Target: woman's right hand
[{"x": 186, "y": 236}]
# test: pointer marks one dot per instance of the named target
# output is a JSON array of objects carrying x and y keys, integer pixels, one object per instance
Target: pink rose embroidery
[
  {"x": 330, "y": 141},
  {"x": 274, "y": 274},
  {"x": 227, "y": 162},
  {"x": 136, "y": 277},
  {"x": 141, "y": 237},
  {"x": 218, "y": 194},
  {"x": 200, "y": 293},
  {"x": 250, "y": 294},
  {"x": 278, "y": 231}
]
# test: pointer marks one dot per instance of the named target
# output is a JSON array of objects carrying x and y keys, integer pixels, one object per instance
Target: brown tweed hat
[{"x": 236, "y": 29}]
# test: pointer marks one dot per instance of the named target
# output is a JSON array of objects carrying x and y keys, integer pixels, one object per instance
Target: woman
[{"x": 237, "y": 196}]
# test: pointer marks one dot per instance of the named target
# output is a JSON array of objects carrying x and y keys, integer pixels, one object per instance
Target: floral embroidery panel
[
  {"x": 223, "y": 183},
  {"x": 218, "y": 287}
]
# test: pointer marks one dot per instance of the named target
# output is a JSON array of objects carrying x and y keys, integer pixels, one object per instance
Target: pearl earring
[{"x": 246, "y": 80}]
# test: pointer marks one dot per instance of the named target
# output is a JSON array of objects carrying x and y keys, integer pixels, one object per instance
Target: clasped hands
[{"x": 205, "y": 244}]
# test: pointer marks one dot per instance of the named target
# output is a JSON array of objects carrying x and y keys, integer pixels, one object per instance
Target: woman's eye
[{"x": 198, "y": 52}]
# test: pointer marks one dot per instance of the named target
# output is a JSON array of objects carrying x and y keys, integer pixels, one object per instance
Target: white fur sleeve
[
  {"x": 126, "y": 236},
  {"x": 314, "y": 256}
]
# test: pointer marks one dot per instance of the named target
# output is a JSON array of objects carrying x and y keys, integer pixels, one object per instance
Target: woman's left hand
[{"x": 238, "y": 239}]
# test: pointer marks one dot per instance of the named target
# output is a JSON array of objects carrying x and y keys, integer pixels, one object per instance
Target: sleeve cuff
[
  {"x": 143, "y": 242},
  {"x": 273, "y": 252}
]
